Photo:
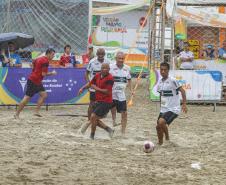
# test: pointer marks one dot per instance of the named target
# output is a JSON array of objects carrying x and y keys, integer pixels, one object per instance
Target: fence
[{"x": 53, "y": 23}]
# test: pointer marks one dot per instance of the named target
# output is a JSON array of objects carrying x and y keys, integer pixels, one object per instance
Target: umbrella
[{"x": 21, "y": 40}]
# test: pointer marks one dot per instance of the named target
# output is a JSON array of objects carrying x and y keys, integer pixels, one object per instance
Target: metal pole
[{"x": 163, "y": 21}]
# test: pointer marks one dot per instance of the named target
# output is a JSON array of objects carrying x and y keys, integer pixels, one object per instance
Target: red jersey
[
  {"x": 105, "y": 82},
  {"x": 39, "y": 65},
  {"x": 65, "y": 59}
]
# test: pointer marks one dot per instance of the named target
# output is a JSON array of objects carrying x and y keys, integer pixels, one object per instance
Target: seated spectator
[
  {"x": 209, "y": 52},
  {"x": 186, "y": 57},
  {"x": 67, "y": 59},
  {"x": 4, "y": 61},
  {"x": 14, "y": 58},
  {"x": 222, "y": 51}
]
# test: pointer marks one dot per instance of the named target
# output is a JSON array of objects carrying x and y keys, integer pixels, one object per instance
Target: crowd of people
[
  {"x": 13, "y": 58},
  {"x": 186, "y": 56}
]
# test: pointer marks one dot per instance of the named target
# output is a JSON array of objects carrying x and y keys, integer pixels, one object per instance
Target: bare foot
[
  {"x": 16, "y": 116},
  {"x": 38, "y": 115}
]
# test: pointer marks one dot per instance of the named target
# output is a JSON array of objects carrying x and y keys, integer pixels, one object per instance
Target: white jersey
[
  {"x": 170, "y": 99},
  {"x": 184, "y": 64},
  {"x": 94, "y": 67},
  {"x": 121, "y": 76}
]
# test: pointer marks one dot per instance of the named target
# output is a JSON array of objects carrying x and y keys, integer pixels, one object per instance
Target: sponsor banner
[
  {"x": 218, "y": 65},
  {"x": 199, "y": 85},
  {"x": 61, "y": 88}
]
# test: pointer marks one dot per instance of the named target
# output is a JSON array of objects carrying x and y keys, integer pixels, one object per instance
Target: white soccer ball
[{"x": 148, "y": 147}]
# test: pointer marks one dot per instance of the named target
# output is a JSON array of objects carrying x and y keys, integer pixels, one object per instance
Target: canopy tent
[{"x": 197, "y": 15}]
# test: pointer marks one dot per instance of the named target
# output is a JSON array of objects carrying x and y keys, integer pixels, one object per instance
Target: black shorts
[
  {"x": 101, "y": 108},
  {"x": 168, "y": 116},
  {"x": 92, "y": 96},
  {"x": 32, "y": 88},
  {"x": 121, "y": 106}
]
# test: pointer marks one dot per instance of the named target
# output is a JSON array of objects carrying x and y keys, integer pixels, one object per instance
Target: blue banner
[{"x": 61, "y": 88}]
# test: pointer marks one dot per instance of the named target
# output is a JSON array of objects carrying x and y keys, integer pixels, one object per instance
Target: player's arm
[
  {"x": 49, "y": 73},
  {"x": 86, "y": 86},
  {"x": 45, "y": 70},
  {"x": 130, "y": 86},
  {"x": 108, "y": 89},
  {"x": 87, "y": 75},
  {"x": 183, "y": 94}
]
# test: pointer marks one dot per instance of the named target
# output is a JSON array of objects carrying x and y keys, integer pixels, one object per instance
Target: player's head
[
  {"x": 105, "y": 68},
  {"x": 50, "y": 52},
  {"x": 67, "y": 49},
  {"x": 100, "y": 54},
  {"x": 164, "y": 69},
  {"x": 11, "y": 46},
  {"x": 120, "y": 58}
]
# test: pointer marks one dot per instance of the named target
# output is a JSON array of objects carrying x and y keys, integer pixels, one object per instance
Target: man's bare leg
[
  {"x": 22, "y": 104},
  {"x": 90, "y": 109},
  {"x": 113, "y": 113},
  {"x": 160, "y": 131},
  {"x": 89, "y": 112},
  {"x": 166, "y": 132},
  {"x": 124, "y": 122},
  {"x": 43, "y": 96},
  {"x": 95, "y": 120}
]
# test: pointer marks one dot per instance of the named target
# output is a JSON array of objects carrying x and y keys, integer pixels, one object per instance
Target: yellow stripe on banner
[
  {"x": 84, "y": 99},
  {"x": 5, "y": 98}
]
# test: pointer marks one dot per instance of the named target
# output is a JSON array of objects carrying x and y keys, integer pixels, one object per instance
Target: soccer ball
[{"x": 148, "y": 146}]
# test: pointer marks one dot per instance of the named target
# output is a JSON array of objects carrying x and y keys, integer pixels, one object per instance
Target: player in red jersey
[
  {"x": 102, "y": 83},
  {"x": 34, "y": 82}
]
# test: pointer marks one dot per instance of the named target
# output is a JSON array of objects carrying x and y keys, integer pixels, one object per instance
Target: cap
[{"x": 210, "y": 46}]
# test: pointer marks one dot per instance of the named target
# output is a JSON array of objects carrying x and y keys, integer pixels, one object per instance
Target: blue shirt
[
  {"x": 221, "y": 52},
  {"x": 16, "y": 57}
]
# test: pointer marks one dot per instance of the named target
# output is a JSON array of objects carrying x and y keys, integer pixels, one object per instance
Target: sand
[{"x": 51, "y": 150}]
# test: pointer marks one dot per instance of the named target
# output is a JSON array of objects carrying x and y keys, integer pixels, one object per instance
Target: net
[{"x": 53, "y": 23}]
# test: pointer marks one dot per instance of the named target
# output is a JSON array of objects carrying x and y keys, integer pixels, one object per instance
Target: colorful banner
[
  {"x": 202, "y": 17},
  {"x": 199, "y": 85},
  {"x": 123, "y": 1},
  {"x": 61, "y": 88},
  {"x": 218, "y": 65},
  {"x": 118, "y": 9}
]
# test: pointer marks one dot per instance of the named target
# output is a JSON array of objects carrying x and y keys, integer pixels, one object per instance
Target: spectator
[
  {"x": 90, "y": 52},
  {"x": 14, "y": 58},
  {"x": 209, "y": 52},
  {"x": 186, "y": 57},
  {"x": 67, "y": 59},
  {"x": 4, "y": 62},
  {"x": 222, "y": 51}
]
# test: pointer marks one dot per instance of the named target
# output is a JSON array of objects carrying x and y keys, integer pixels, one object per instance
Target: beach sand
[{"x": 51, "y": 150}]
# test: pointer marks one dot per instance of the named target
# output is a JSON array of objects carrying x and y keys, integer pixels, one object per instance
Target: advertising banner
[
  {"x": 218, "y": 65},
  {"x": 61, "y": 88},
  {"x": 199, "y": 85}
]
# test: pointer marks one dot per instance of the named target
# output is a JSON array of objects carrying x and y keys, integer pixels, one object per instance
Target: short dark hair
[
  {"x": 11, "y": 43},
  {"x": 49, "y": 50},
  {"x": 165, "y": 64},
  {"x": 67, "y": 46}
]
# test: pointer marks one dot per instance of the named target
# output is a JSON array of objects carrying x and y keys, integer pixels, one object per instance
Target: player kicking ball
[{"x": 169, "y": 90}]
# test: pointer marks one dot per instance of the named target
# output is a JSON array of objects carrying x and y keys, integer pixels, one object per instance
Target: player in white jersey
[
  {"x": 92, "y": 69},
  {"x": 122, "y": 78},
  {"x": 170, "y": 102}
]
